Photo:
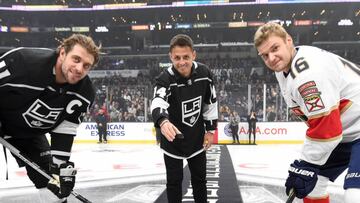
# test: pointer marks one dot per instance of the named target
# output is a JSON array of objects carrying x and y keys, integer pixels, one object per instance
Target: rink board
[{"x": 141, "y": 133}]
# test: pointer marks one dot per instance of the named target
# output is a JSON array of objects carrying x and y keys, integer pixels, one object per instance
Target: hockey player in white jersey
[{"x": 323, "y": 89}]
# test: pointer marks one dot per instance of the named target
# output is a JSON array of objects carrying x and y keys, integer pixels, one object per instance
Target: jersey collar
[{"x": 177, "y": 74}]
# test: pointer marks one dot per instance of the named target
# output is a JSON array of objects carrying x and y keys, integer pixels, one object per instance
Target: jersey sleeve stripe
[
  {"x": 2, "y": 65},
  {"x": 10, "y": 51},
  {"x": 325, "y": 128},
  {"x": 66, "y": 127},
  {"x": 158, "y": 103},
  {"x": 23, "y": 86},
  {"x": 344, "y": 105},
  {"x": 4, "y": 74},
  {"x": 200, "y": 79},
  {"x": 323, "y": 114},
  {"x": 60, "y": 153},
  {"x": 78, "y": 95},
  {"x": 210, "y": 111},
  {"x": 324, "y": 140}
]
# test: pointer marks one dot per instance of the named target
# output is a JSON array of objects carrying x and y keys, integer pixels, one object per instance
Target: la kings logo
[
  {"x": 191, "y": 111},
  {"x": 40, "y": 115}
]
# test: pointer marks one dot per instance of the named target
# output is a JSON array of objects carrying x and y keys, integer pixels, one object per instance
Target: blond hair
[
  {"x": 268, "y": 29},
  {"x": 84, "y": 41}
]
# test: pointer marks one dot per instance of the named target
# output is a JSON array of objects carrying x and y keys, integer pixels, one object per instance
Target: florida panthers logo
[{"x": 191, "y": 111}]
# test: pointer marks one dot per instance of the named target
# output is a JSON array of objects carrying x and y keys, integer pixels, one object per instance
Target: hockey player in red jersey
[
  {"x": 47, "y": 91},
  {"x": 323, "y": 89}
]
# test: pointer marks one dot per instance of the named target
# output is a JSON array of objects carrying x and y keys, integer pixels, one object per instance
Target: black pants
[
  {"x": 37, "y": 149},
  {"x": 234, "y": 133},
  {"x": 252, "y": 129},
  {"x": 102, "y": 133},
  {"x": 174, "y": 176}
]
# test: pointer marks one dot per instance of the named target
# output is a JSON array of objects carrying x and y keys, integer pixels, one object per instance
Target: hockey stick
[
  {"x": 291, "y": 197},
  {"x": 37, "y": 168}
]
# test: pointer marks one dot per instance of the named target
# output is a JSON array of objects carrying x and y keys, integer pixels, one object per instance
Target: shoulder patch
[
  {"x": 311, "y": 96},
  {"x": 307, "y": 85}
]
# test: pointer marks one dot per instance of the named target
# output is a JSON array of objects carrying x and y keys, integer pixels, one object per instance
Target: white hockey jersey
[{"x": 324, "y": 90}]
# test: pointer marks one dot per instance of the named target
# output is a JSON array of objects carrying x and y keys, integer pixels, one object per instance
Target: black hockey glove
[
  {"x": 302, "y": 177},
  {"x": 64, "y": 179}
]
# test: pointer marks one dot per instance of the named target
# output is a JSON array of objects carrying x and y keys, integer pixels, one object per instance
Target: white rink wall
[{"x": 267, "y": 133}]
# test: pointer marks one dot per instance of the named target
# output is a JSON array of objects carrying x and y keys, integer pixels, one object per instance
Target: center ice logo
[
  {"x": 40, "y": 115},
  {"x": 191, "y": 111}
]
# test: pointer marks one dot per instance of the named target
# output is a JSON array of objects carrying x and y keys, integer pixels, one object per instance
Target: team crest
[
  {"x": 311, "y": 96},
  {"x": 227, "y": 130},
  {"x": 191, "y": 111},
  {"x": 40, "y": 115},
  {"x": 314, "y": 103}
]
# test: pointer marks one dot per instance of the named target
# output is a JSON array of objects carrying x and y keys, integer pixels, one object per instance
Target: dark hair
[{"x": 181, "y": 40}]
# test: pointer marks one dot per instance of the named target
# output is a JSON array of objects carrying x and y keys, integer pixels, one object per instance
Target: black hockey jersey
[
  {"x": 190, "y": 104},
  {"x": 32, "y": 103}
]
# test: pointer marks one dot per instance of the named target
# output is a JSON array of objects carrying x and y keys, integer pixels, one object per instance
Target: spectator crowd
[{"x": 241, "y": 84}]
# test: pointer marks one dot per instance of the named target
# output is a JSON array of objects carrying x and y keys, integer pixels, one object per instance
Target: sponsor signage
[
  {"x": 266, "y": 132},
  {"x": 165, "y": 65},
  {"x": 80, "y": 29},
  {"x": 62, "y": 29},
  {"x": 19, "y": 29},
  {"x": 4, "y": 29},
  {"x": 238, "y": 24},
  {"x": 168, "y": 27},
  {"x": 345, "y": 22},
  {"x": 139, "y": 27},
  {"x": 182, "y": 26},
  {"x": 255, "y": 23},
  {"x": 101, "y": 29},
  {"x": 117, "y": 131},
  {"x": 302, "y": 22},
  {"x": 201, "y": 25}
]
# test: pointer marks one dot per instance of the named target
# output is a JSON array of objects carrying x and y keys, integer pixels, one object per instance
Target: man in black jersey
[
  {"x": 185, "y": 108},
  {"x": 101, "y": 121},
  {"x": 47, "y": 91}
]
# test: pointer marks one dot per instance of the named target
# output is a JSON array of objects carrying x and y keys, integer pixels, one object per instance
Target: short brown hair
[
  {"x": 181, "y": 40},
  {"x": 84, "y": 41},
  {"x": 265, "y": 31}
]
